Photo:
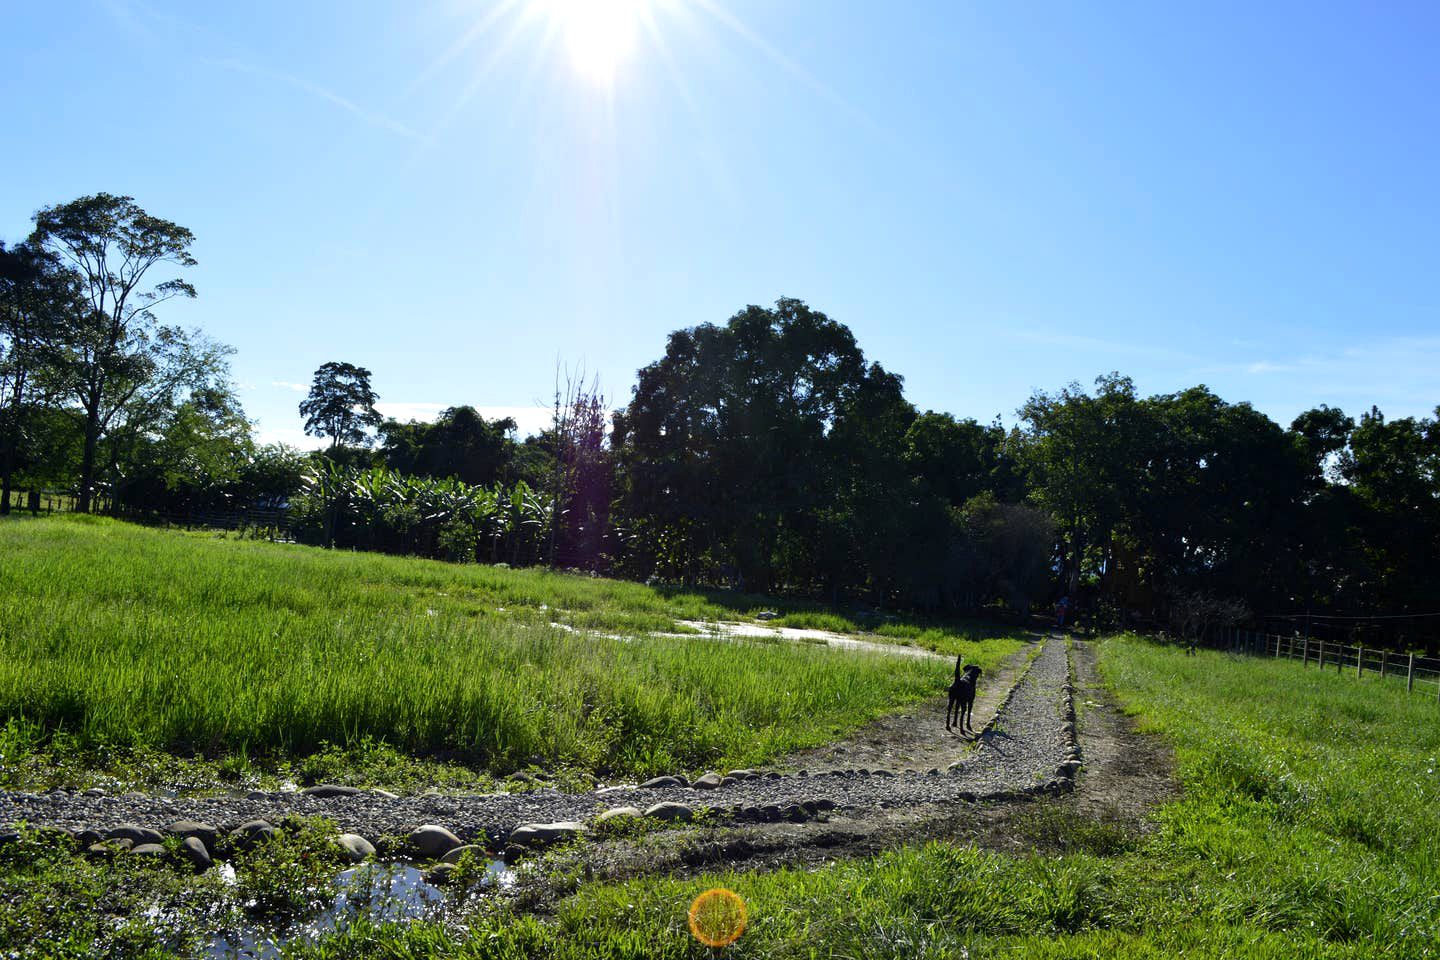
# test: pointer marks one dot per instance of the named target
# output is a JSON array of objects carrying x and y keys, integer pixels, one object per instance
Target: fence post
[
  {"x": 1359, "y": 661},
  {"x": 1410, "y": 675},
  {"x": 1384, "y": 656},
  {"x": 1340, "y": 659},
  {"x": 1322, "y": 655},
  {"x": 1305, "y": 652}
]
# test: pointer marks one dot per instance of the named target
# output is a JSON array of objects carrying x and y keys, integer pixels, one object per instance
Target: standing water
[{"x": 380, "y": 892}]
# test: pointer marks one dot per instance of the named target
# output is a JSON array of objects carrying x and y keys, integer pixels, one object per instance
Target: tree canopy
[{"x": 341, "y": 405}]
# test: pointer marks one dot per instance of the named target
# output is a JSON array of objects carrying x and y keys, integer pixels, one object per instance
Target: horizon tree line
[{"x": 764, "y": 454}]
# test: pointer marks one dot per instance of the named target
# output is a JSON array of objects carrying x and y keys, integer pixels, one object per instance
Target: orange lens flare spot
[{"x": 717, "y": 917}]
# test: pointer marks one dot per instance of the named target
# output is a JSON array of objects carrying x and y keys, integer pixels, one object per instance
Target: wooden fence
[
  {"x": 262, "y": 522},
  {"x": 1419, "y": 674}
]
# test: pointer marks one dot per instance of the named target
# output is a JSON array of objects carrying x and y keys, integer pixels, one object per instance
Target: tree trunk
[
  {"x": 87, "y": 460},
  {"x": 7, "y": 472}
]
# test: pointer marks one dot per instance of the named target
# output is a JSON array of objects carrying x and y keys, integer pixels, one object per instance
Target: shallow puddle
[{"x": 382, "y": 892}]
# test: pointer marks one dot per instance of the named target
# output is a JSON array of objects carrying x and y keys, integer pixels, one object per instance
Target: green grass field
[
  {"x": 1309, "y": 827},
  {"x": 114, "y": 635}
]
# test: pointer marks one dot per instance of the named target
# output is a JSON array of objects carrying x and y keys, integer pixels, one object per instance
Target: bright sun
[{"x": 600, "y": 34}]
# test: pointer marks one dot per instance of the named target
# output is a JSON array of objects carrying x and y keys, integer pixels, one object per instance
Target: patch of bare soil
[{"x": 1125, "y": 775}]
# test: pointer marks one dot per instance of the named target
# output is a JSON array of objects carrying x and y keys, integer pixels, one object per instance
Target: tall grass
[{"x": 124, "y": 635}]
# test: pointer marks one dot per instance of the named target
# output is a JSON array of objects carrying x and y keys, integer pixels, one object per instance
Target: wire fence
[{"x": 1418, "y": 674}]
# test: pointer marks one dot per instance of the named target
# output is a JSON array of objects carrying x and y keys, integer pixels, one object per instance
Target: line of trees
[{"x": 765, "y": 453}]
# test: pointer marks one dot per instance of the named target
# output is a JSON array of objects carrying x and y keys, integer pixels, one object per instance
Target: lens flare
[{"x": 717, "y": 917}]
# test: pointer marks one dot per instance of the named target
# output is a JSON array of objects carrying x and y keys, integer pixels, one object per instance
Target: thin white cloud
[
  {"x": 408, "y": 410},
  {"x": 529, "y": 421},
  {"x": 290, "y": 436},
  {"x": 323, "y": 93},
  {"x": 1400, "y": 375},
  {"x": 287, "y": 385},
  {"x": 1265, "y": 366}
]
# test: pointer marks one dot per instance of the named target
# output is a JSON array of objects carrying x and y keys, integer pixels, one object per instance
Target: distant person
[{"x": 1061, "y": 610}]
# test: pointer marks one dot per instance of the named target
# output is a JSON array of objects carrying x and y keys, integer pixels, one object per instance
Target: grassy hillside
[{"x": 121, "y": 635}]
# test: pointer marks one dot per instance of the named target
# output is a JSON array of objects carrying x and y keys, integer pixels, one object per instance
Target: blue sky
[{"x": 995, "y": 197}]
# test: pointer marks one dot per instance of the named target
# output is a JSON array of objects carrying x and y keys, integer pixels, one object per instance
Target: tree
[
  {"x": 1080, "y": 451},
  {"x": 113, "y": 245},
  {"x": 1392, "y": 468},
  {"x": 184, "y": 454},
  {"x": 958, "y": 459},
  {"x": 460, "y": 443},
  {"x": 36, "y": 294},
  {"x": 734, "y": 466},
  {"x": 341, "y": 405},
  {"x": 185, "y": 401}
]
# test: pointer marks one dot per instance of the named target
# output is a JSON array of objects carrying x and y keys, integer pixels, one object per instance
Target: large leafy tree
[
  {"x": 341, "y": 405},
  {"x": 734, "y": 446},
  {"x": 1080, "y": 451},
  {"x": 115, "y": 249}
]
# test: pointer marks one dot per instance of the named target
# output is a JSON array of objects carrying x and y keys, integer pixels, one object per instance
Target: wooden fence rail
[{"x": 1406, "y": 668}]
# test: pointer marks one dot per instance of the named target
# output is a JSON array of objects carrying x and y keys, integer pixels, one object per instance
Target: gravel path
[{"x": 1021, "y": 752}]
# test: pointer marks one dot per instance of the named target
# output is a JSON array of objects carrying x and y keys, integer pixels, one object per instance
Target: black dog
[{"x": 962, "y": 696}]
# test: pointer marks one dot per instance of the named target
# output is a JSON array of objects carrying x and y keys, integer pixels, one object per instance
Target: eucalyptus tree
[{"x": 116, "y": 342}]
